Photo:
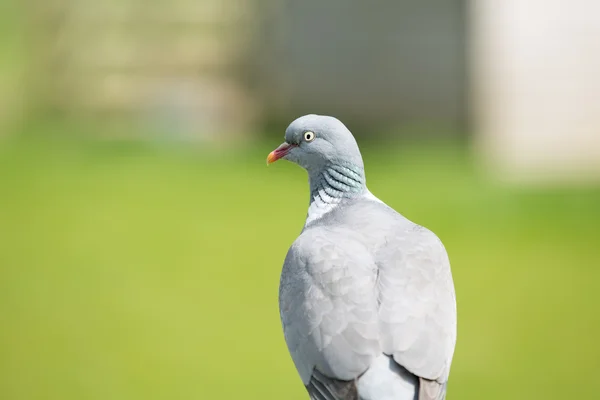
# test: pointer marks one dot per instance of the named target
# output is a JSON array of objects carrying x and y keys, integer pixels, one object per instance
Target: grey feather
[
  {"x": 328, "y": 304},
  {"x": 362, "y": 281}
]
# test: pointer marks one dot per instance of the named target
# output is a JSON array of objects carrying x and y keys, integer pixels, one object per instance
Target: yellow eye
[{"x": 309, "y": 136}]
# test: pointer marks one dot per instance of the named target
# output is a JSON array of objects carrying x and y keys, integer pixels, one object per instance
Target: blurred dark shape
[{"x": 373, "y": 64}]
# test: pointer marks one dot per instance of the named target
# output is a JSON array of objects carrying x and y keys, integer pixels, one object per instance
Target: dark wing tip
[{"x": 322, "y": 387}]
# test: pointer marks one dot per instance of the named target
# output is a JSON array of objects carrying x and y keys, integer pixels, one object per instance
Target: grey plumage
[{"x": 366, "y": 296}]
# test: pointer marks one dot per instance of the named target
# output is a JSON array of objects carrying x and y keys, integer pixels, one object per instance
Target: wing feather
[
  {"x": 418, "y": 307},
  {"x": 328, "y": 305},
  {"x": 322, "y": 387}
]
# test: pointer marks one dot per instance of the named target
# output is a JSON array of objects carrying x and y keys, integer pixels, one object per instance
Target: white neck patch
[{"x": 323, "y": 204}]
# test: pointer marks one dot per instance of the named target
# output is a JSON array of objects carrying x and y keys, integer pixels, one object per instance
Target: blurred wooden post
[
  {"x": 12, "y": 65},
  {"x": 536, "y": 88},
  {"x": 170, "y": 64}
]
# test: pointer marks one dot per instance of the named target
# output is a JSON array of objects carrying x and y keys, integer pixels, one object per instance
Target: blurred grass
[{"x": 133, "y": 272}]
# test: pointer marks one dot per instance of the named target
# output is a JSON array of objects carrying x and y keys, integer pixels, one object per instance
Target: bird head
[{"x": 314, "y": 141}]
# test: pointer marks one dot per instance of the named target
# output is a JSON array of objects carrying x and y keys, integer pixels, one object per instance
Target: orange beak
[{"x": 279, "y": 152}]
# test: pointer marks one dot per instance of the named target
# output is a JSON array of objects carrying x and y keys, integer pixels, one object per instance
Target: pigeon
[{"x": 366, "y": 297}]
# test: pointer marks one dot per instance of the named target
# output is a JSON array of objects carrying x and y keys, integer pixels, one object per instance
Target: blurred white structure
[{"x": 536, "y": 87}]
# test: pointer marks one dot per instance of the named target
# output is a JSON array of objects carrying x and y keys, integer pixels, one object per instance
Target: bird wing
[
  {"x": 417, "y": 312},
  {"x": 342, "y": 304},
  {"x": 328, "y": 306}
]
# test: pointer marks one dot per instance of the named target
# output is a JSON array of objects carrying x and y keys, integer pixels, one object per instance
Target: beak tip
[{"x": 278, "y": 153}]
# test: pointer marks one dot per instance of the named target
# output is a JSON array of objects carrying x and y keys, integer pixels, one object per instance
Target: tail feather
[
  {"x": 387, "y": 380},
  {"x": 384, "y": 380}
]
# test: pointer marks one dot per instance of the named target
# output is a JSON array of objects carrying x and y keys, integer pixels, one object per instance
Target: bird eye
[{"x": 309, "y": 136}]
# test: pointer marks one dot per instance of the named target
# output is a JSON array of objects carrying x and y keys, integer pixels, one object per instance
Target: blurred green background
[{"x": 137, "y": 262}]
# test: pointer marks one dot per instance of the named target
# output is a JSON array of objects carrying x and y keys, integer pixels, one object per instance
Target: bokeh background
[{"x": 142, "y": 235}]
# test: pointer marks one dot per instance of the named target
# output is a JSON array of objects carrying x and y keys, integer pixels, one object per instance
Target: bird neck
[{"x": 331, "y": 185}]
